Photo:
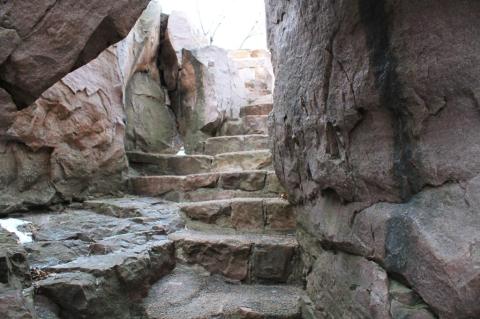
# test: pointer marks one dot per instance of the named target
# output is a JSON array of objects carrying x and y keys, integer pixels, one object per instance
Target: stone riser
[
  {"x": 206, "y": 194},
  {"x": 160, "y": 164},
  {"x": 239, "y": 143},
  {"x": 262, "y": 181},
  {"x": 258, "y": 109},
  {"x": 260, "y": 215},
  {"x": 245, "y": 258},
  {"x": 249, "y": 124}
]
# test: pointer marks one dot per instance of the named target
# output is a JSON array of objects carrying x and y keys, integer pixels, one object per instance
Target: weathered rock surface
[
  {"x": 44, "y": 40},
  {"x": 198, "y": 295},
  {"x": 90, "y": 265},
  {"x": 249, "y": 124},
  {"x": 241, "y": 257},
  {"x": 246, "y": 160},
  {"x": 166, "y": 164},
  {"x": 151, "y": 124},
  {"x": 69, "y": 143},
  {"x": 245, "y": 214},
  {"x": 238, "y": 143},
  {"x": 182, "y": 35},
  {"x": 370, "y": 107},
  {"x": 201, "y": 296},
  {"x": 247, "y": 181},
  {"x": 208, "y": 91},
  {"x": 13, "y": 305}
]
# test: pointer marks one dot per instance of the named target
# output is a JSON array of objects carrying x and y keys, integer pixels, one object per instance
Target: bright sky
[{"x": 237, "y": 20}]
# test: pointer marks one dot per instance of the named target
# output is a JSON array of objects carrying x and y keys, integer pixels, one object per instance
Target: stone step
[
  {"x": 248, "y": 124},
  {"x": 256, "y": 109},
  {"x": 188, "y": 293},
  {"x": 236, "y": 143},
  {"x": 249, "y": 258},
  {"x": 165, "y": 164},
  {"x": 206, "y": 194},
  {"x": 164, "y": 215},
  {"x": 262, "y": 99},
  {"x": 245, "y": 214},
  {"x": 257, "y": 180},
  {"x": 246, "y": 160}
]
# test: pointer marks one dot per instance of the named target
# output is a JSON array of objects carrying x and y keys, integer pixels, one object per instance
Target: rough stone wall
[
  {"x": 151, "y": 124},
  {"x": 209, "y": 90},
  {"x": 69, "y": 142},
  {"x": 375, "y": 128},
  {"x": 203, "y": 82}
]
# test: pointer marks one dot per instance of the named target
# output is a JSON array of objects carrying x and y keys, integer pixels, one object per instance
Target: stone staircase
[
  {"x": 237, "y": 256},
  {"x": 205, "y": 236}
]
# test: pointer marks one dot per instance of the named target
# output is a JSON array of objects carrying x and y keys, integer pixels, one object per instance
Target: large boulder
[
  {"x": 376, "y": 101},
  {"x": 203, "y": 82},
  {"x": 43, "y": 40},
  {"x": 209, "y": 90},
  {"x": 151, "y": 125},
  {"x": 183, "y": 35},
  {"x": 69, "y": 143}
]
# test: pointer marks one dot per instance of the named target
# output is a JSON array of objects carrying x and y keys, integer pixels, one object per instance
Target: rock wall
[
  {"x": 69, "y": 142},
  {"x": 209, "y": 90},
  {"x": 151, "y": 124},
  {"x": 375, "y": 128},
  {"x": 207, "y": 84}
]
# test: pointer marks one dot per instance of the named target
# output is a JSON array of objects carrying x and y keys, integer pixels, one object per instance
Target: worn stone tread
[
  {"x": 168, "y": 164},
  {"x": 250, "y": 239},
  {"x": 244, "y": 160},
  {"x": 236, "y": 143},
  {"x": 256, "y": 109},
  {"x": 188, "y": 293},
  {"x": 205, "y": 194},
  {"x": 243, "y": 214},
  {"x": 248, "y": 124},
  {"x": 247, "y": 180}
]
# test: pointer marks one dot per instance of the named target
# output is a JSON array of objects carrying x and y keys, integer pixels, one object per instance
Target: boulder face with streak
[{"x": 376, "y": 101}]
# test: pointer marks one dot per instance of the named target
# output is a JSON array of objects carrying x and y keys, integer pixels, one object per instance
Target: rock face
[
  {"x": 375, "y": 102},
  {"x": 69, "y": 143},
  {"x": 44, "y": 40},
  {"x": 204, "y": 82},
  {"x": 95, "y": 262},
  {"x": 151, "y": 124},
  {"x": 209, "y": 90}
]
